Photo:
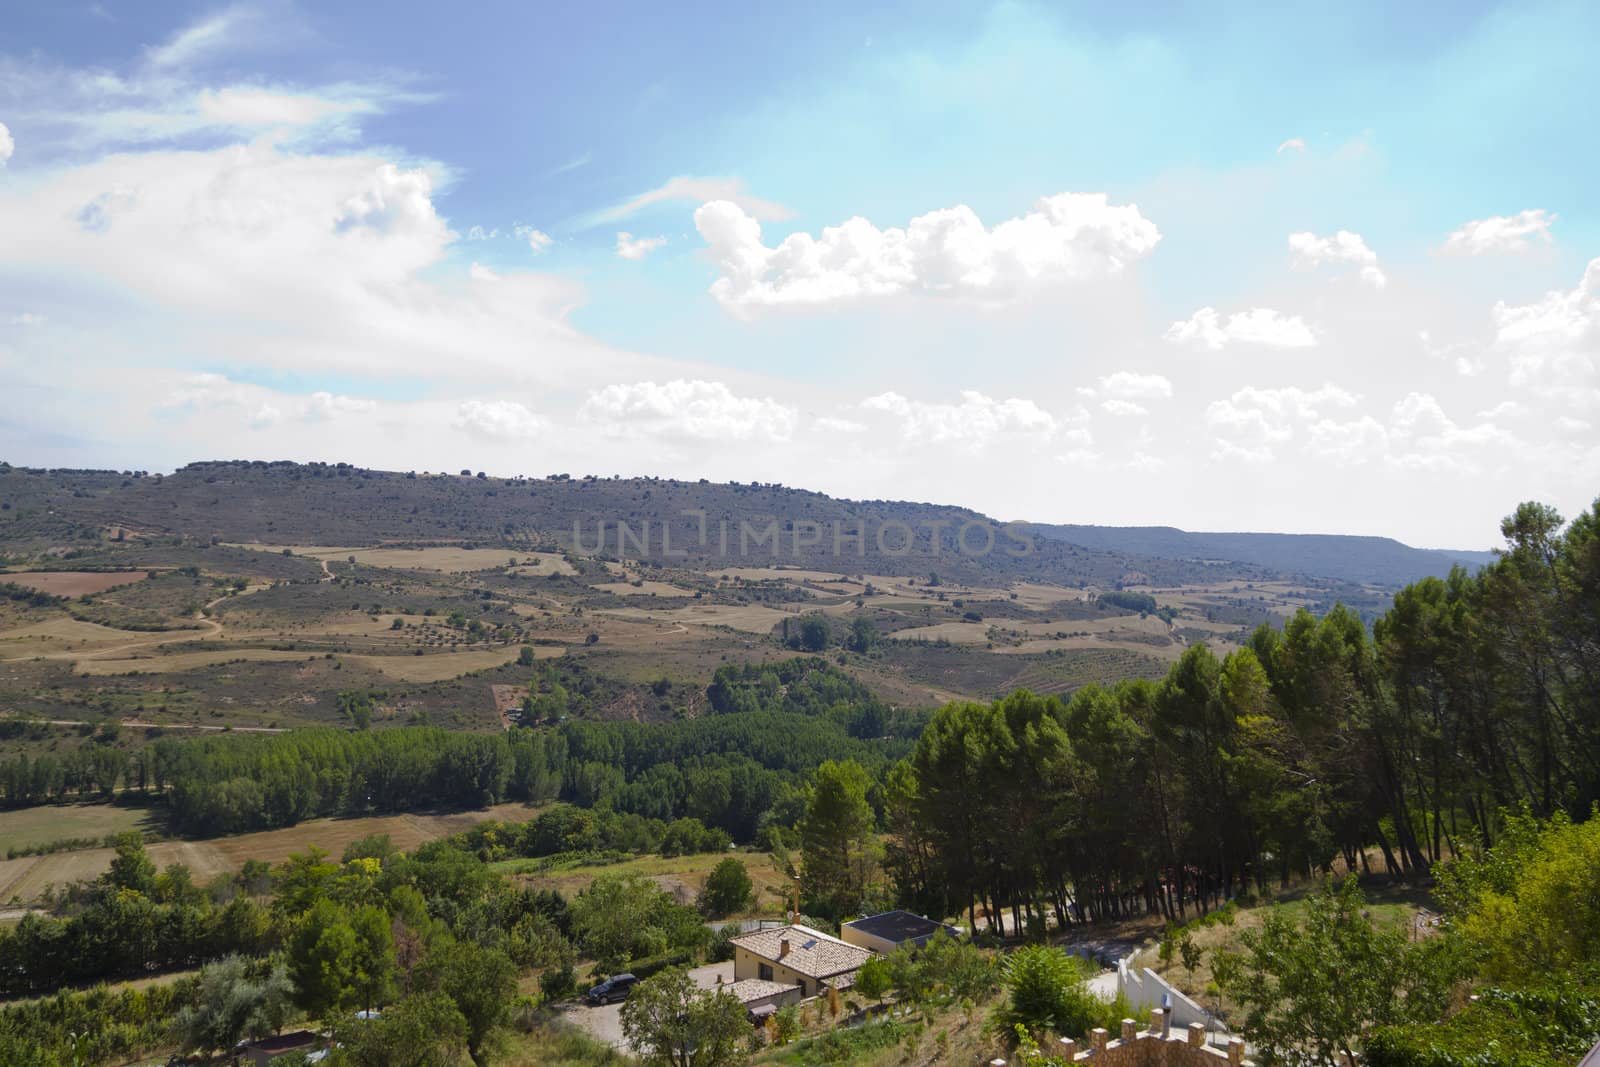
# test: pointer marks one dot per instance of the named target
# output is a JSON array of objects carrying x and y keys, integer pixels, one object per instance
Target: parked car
[{"x": 613, "y": 989}]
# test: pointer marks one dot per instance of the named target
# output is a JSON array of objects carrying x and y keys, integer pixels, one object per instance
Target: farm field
[
  {"x": 72, "y": 583},
  {"x": 29, "y": 827},
  {"x": 679, "y": 875},
  {"x": 446, "y": 559},
  {"x": 25, "y": 878}
]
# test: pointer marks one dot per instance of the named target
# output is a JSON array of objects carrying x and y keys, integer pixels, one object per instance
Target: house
[
  {"x": 263, "y": 1052},
  {"x": 797, "y": 955},
  {"x": 760, "y": 998},
  {"x": 887, "y": 931}
]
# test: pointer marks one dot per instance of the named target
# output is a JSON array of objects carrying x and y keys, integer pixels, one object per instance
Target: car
[{"x": 613, "y": 989}]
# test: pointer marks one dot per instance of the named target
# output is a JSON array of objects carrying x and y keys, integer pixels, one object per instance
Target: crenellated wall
[{"x": 1154, "y": 1047}]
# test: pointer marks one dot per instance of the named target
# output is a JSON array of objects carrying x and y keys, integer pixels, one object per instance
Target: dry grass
[
  {"x": 185, "y": 661},
  {"x": 57, "y": 822},
  {"x": 447, "y": 559},
  {"x": 751, "y": 618},
  {"x": 440, "y": 666},
  {"x": 72, "y": 583},
  {"x": 26, "y": 878},
  {"x": 645, "y": 588},
  {"x": 681, "y": 875}
]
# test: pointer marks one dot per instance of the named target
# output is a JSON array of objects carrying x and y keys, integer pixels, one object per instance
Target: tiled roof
[
  {"x": 900, "y": 926},
  {"x": 749, "y": 989},
  {"x": 811, "y": 952}
]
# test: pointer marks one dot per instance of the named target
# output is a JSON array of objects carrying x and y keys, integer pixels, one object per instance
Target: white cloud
[
  {"x": 498, "y": 420},
  {"x": 1123, "y": 408},
  {"x": 1257, "y": 326},
  {"x": 216, "y": 392},
  {"x": 1504, "y": 410},
  {"x": 27, "y": 318},
  {"x": 699, "y": 191},
  {"x": 538, "y": 241},
  {"x": 478, "y": 272},
  {"x": 323, "y": 405},
  {"x": 240, "y": 106},
  {"x": 1350, "y": 442},
  {"x": 975, "y": 421},
  {"x": 1554, "y": 344},
  {"x": 830, "y": 424},
  {"x": 7, "y": 145},
  {"x": 478, "y": 233},
  {"x": 194, "y": 42},
  {"x": 1068, "y": 237},
  {"x": 1500, "y": 233},
  {"x": 1309, "y": 250},
  {"x": 1293, "y": 144},
  {"x": 697, "y": 409},
  {"x": 636, "y": 248},
  {"x": 1141, "y": 386},
  {"x": 1253, "y": 420}
]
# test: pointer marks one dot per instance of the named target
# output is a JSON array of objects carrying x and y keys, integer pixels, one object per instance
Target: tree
[
  {"x": 1315, "y": 992},
  {"x": 425, "y": 1030},
  {"x": 838, "y": 839},
  {"x": 322, "y": 960},
  {"x": 231, "y": 1004},
  {"x": 131, "y": 868},
  {"x": 1191, "y": 953},
  {"x": 728, "y": 889},
  {"x": 1046, "y": 991},
  {"x": 873, "y": 979},
  {"x": 672, "y": 1022},
  {"x": 373, "y": 962},
  {"x": 479, "y": 980}
]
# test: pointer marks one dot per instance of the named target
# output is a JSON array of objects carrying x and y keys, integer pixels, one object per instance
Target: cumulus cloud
[
  {"x": 324, "y": 405},
  {"x": 498, "y": 420},
  {"x": 1128, "y": 384},
  {"x": 636, "y": 248},
  {"x": 1258, "y": 326},
  {"x": 1554, "y": 344},
  {"x": 975, "y": 421},
  {"x": 7, "y": 145},
  {"x": 1500, "y": 233},
  {"x": 1310, "y": 250},
  {"x": 1123, "y": 407},
  {"x": 1067, "y": 237},
  {"x": 216, "y": 392},
  {"x": 1253, "y": 424},
  {"x": 694, "y": 409},
  {"x": 1293, "y": 144},
  {"x": 1253, "y": 420},
  {"x": 699, "y": 191},
  {"x": 538, "y": 240}
]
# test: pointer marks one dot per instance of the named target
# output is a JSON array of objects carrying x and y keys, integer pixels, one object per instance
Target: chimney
[{"x": 783, "y": 947}]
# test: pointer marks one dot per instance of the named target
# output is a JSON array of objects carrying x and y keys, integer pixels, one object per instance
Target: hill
[{"x": 1366, "y": 560}]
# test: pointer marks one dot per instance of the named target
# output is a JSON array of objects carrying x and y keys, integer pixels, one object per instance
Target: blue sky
[{"x": 1340, "y": 253}]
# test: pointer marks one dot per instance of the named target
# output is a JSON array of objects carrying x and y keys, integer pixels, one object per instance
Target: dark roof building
[{"x": 889, "y": 930}]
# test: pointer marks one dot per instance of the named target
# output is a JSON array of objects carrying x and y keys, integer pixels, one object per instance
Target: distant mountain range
[
  {"x": 1368, "y": 560},
  {"x": 320, "y": 504}
]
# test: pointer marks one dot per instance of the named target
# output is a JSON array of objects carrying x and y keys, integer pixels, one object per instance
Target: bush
[{"x": 1046, "y": 991}]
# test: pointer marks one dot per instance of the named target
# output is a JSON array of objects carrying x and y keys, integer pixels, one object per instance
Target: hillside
[
  {"x": 320, "y": 504},
  {"x": 1367, "y": 560}
]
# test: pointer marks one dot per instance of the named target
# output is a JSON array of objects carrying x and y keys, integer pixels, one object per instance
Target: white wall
[{"x": 1144, "y": 988}]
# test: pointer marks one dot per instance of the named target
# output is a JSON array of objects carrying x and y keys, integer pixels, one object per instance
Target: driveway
[{"x": 605, "y": 1022}]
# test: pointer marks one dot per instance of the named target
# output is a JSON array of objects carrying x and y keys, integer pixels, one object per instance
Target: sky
[{"x": 1283, "y": 267}]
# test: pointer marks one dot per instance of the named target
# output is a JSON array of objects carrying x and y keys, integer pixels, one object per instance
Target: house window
[{"x": 764, "y": 972}]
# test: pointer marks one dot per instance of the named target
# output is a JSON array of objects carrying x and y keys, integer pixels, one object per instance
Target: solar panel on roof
[{"x": 810, "y": 944}]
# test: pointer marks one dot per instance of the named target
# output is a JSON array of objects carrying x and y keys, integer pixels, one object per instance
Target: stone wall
[{"x": 1154, "y": 1047}]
